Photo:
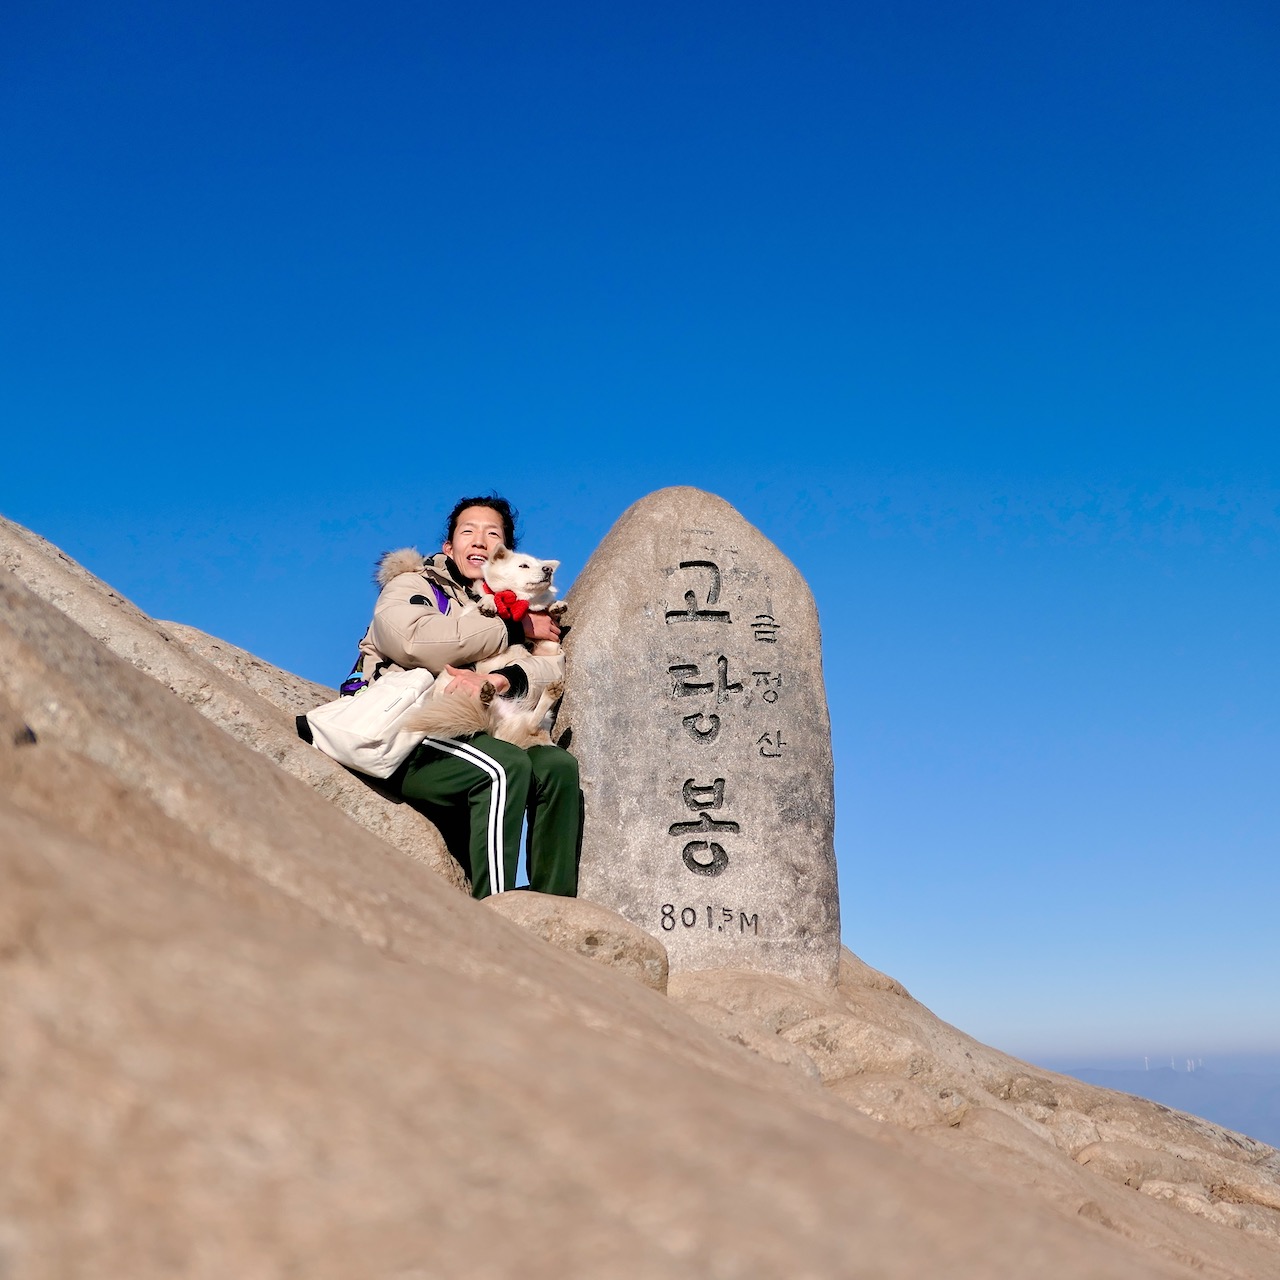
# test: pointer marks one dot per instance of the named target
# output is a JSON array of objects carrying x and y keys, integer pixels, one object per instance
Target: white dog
[{"x": 522, "y": 578}]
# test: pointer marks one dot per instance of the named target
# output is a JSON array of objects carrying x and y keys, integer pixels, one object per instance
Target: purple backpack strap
[{"x": 442, "y": 598}]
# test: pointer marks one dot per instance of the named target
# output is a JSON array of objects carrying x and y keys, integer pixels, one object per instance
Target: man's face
[{"x": 477, "y": 532}]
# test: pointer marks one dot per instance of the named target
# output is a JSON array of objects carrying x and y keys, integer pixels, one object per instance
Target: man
[{"x": 478, "y": 790}]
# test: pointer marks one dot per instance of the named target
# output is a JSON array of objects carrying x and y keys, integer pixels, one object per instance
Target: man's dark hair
[{"x": 505, "y": 510}]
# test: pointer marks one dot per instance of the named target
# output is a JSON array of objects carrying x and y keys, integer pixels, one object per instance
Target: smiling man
[{"x": 477, "y": 790}]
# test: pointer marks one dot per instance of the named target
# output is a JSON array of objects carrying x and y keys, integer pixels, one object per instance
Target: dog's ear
[{"x": 500, "y": 552}]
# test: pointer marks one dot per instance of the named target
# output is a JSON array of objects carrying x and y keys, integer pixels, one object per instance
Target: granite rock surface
[
  {"x": 242, "y": 1036},
  {"x": 893, "y": 1060},
  {"x": 697, "y": 710},
  {"x": 588, "y": 930},
  {"x": 241, "y": 694}
]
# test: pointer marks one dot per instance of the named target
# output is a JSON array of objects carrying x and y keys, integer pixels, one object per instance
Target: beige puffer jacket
[{"x": 423, "y": 618}]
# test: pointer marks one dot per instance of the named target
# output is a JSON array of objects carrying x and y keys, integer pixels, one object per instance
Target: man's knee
[{"x": 554, "y": 767}]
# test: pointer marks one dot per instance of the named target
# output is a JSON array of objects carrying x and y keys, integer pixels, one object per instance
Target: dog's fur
[
  {"x": 530, "y": 578},
  {"x": 457, "y": 715}
]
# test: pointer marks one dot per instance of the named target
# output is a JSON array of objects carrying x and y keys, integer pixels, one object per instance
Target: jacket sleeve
[
  {"x": 409, "y": 628},
  {"x": 538, "y": 671}
]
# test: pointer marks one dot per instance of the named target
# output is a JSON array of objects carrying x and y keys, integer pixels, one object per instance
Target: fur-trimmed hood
[{"x": 393, "y": 563}]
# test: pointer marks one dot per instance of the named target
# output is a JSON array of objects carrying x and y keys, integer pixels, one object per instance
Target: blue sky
[{"x": 973, "y": 310}]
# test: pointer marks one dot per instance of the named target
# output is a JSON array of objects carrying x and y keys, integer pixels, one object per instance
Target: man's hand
[
  {"x": 539, "y": 626},
  {"x": 471, "y": 682}
]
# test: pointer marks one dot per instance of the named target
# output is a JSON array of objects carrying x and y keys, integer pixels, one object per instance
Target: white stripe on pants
[{"x": 495, "y": 842}]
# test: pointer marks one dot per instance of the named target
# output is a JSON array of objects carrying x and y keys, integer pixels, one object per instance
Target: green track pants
[{"x": 478, "y": 790}]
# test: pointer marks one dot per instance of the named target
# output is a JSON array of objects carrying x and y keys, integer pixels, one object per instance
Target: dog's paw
[
  {"x": 487, "y": 693},
  {"x": 487, "y": 607},
  {"x": 554, "y": 691},
  {"x": 557, "y": 610}
]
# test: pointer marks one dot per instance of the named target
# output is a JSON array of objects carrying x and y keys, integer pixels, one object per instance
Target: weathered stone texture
[
  {"x": 588, "y": 930},
  {"x": 894, "y": 1100},
  {"x": 240, "y": 1036},
  {"x": 697, "y": 710},
  {"x": 240, "y": 693},
  {"x": 291, "y": 694}
]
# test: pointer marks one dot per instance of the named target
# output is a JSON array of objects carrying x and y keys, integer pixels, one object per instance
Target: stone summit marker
[{"x": 699, "y": 717}]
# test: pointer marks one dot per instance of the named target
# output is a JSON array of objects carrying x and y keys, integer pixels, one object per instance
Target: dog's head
[{"x": 526, "y": 575}]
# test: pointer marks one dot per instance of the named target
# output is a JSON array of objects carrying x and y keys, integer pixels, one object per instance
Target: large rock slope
[
  {"x": 242, "y": 1035},
  {"x": 252, "y": 701}
]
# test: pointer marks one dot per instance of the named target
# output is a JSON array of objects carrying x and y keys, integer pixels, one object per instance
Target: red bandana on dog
[{"x": 510, "y": 606}]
